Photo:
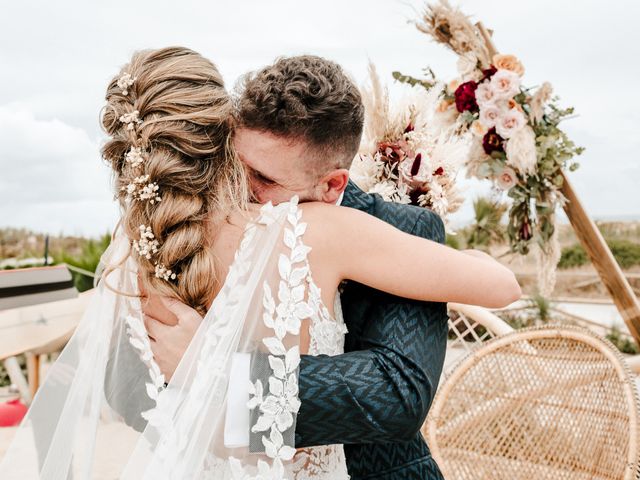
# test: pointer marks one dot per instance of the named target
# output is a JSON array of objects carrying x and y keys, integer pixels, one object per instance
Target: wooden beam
[
  {"x": 603, "y": 260},
  {"x": 591, "y": 239},
  {"x": 33, "y": 372}
]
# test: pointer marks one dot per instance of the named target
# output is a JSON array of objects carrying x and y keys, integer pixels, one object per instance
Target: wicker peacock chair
[{"x": 538, "y": 403}]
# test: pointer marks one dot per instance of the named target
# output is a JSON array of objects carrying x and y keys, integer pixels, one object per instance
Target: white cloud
[{"x": 49, "y": 167}]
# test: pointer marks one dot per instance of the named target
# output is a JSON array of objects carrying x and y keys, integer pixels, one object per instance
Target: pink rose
[
  {"x": 505, "y": 84},
  {"x": 507, "y": 178},
  {"x": 485, "y": 94},
  {"x": 489, "y": 115},
  {"x": 510, "y": 122}
]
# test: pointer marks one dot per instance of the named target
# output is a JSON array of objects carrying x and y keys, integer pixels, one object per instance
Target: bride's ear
[{"x": 333, "y": 184}]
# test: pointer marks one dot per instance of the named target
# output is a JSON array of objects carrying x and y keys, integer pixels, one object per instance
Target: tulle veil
[{"x": 103, "y": 410}]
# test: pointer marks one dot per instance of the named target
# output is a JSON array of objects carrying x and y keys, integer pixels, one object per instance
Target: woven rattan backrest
[{"x": 540, "y": 403}]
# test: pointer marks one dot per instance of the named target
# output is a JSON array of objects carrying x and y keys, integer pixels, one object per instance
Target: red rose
[
  {"x": 465, "y": 96},
  {"x": 492, "y": 142},
  {"x": 488, "y": 73}
]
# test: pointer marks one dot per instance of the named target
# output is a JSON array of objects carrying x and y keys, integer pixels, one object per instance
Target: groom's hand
[{"x": 169, "y": 340}]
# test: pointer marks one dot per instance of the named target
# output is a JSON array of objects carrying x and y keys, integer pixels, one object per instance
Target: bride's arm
[{"x": 374, "y": 253}]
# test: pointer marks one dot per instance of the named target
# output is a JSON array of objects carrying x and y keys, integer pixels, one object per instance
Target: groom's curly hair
[{"x": 309, "y": 98}]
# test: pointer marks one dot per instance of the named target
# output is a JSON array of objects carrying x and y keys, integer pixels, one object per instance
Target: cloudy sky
[{"x": 57, "y": 57}]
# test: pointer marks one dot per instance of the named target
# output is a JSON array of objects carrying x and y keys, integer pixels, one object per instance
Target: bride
[{"x": 264, "y": 278}]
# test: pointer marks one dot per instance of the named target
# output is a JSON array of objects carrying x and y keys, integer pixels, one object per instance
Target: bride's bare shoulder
[{"x": 325, "y": 221}]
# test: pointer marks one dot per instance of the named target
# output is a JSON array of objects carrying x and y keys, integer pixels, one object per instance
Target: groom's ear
[{"x": 333, "y": 184}]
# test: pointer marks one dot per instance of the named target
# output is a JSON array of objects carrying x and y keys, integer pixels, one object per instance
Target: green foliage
[
  {"x": 622, "y": 342},
  {"x": 408, "y": 79},
  {"x": 626, "y": 253},
  {"x": 88, "y": 259},
  {"x": 487, "y": 228},
  {"x": 453, "y": 241},
  {"x": 573, "y": 256},
  {"x": 541, "y": 307}
]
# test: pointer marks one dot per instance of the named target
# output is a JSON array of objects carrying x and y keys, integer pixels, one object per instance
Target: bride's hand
[{"x": 169, "y": 342}]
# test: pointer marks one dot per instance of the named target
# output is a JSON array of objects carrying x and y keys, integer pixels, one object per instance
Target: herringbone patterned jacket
[{"x": 375, "y": 397}]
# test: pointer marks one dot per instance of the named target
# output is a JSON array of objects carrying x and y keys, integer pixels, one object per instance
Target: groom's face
[{"x": 276, "y": 166}]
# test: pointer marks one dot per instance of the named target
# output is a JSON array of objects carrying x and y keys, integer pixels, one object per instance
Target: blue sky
[{"x": 57, "y": 57}]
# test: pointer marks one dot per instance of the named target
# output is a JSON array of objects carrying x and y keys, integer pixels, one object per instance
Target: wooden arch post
[{"x": 593, "y": 242}]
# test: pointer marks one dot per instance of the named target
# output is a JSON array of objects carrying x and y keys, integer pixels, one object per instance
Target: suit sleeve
[{"x": 382, "y": 390}]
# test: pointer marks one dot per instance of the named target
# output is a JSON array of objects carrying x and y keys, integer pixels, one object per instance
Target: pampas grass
[{"x": 449, "y": 26}]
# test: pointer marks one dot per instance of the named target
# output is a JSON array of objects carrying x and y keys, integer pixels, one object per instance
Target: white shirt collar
[{"x": 340, "y": 198}]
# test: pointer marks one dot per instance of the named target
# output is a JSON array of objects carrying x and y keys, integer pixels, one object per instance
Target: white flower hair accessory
[
  {"x": 164, "y": 273},
  {"x": 139, "y": 189},
  {"x": 125, "y": 81},
  {"x": 131, "y": 119},
  {"x": 147, "y": 245},
  {"x": 134, "y": 156}
]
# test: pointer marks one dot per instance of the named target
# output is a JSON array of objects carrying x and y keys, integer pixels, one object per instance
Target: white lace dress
[
  {"x": 326, "y": 335},
  {"x": 327, "y": 338}
]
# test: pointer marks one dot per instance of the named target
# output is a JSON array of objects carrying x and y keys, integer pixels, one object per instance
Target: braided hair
[{"x": 169, "y": 119}]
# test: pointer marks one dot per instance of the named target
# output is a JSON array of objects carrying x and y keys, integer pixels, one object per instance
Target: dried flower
[
  {"x": 365, "y": 171},
  {"x": 131, "y": 119},
  {"x": 521, "y": 151},
  {"x": 147, "y": 245},
  {"x": 467, "y": 65},
  {"x": 392, "y": 151},
  {"x": 454, "y": 29},
  {"x": 139, "y": 189},
  {"x": 124, "y": 82},
  {"x": 164, "y": 273},
  {"x": 479, "y": 129},
  {"x": 134, "y": 157},
  {"x": 539, "y": 100},
  {"x": 444, "y": 105}
]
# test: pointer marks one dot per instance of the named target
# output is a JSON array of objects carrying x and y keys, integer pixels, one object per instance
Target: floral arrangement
[
  {"x": 405, "y": 155},
  {"x": 513, "y": 131}
]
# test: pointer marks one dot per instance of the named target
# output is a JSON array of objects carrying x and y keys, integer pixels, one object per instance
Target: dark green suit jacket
[{"x": 375, "y": 397}]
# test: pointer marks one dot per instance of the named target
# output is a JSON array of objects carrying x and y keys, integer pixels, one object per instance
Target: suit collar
[{"x": 356, "y": 198}]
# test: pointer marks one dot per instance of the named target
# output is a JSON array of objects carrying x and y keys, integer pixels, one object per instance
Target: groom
[{"x": 300, "y": 121}]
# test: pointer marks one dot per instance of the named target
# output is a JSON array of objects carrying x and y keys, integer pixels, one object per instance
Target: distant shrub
[
  {"x": 622, "y": 343},
  {"x": 88, "y": 259},
  {"x": 487, "y": 228},
  {"x": 626, "y": 253},
  {"x": 573, "y": 256}
]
